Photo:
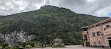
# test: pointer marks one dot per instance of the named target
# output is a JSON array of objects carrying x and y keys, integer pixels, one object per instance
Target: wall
[
  {"x": 105, "y": 33},
  {"x": 94, "y": 41}
]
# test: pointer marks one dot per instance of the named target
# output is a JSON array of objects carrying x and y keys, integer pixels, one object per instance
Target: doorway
[{"x": 110, "y": 43}]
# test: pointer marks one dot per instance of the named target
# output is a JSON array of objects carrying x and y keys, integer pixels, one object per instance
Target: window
[
  {"x": 99, "y": 42},
  {"x": 85, "y": 29},
  {"x": 98, "y": 33},
  {"x": 107, "y": 26},
  {"x": 93, "y": 34}
]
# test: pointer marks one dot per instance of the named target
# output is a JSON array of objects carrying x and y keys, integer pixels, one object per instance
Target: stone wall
[{"x": 105, "y": 33}]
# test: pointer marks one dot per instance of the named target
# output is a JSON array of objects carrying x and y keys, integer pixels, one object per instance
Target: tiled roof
[{"x": 101, "y": 22}]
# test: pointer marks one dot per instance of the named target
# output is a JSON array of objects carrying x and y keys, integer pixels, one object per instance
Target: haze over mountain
[{"x": 48, "y": 23}]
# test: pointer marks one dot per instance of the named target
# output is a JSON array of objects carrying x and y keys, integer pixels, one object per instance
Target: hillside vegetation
[{"x": 48, "y": 23}]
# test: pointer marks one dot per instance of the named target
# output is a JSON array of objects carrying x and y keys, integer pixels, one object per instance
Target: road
[{"x": 72, "y": 47}]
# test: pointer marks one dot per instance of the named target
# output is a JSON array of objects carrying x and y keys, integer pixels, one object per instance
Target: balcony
[{"x": 84, "y": 32}]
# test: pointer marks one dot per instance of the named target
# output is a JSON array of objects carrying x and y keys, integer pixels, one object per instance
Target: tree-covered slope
[{"x": 48, "y": 23}]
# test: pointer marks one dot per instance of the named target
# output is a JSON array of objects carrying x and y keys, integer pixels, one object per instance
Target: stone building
[{"x": 98, "y": 34}]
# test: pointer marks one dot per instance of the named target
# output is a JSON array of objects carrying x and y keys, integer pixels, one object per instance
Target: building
[
  {"x": 98, "y": 34},
  {"x": 58, "y": 40}
]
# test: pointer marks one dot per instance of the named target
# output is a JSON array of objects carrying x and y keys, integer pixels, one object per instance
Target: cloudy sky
[{"x": 98, "y": 8}]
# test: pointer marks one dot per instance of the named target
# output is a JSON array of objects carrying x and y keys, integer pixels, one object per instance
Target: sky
[{"x": 100, "y": 8}]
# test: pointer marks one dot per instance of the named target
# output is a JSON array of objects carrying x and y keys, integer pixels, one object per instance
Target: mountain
[{"x": 48, "y": 23}]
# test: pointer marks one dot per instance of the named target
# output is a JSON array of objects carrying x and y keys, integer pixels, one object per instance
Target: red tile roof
[{"x": 97, "y": 23}]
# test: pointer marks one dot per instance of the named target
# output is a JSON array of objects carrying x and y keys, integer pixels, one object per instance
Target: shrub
[
  {"x": 48, "y": 46},
  {"x": 83, "y": 44},
  {"x": 0, "y": 47},
  {"x": 7, "y": 47},
  {"x": 28, "y": 46},
  {"x": 59, "y": 45},
  {"x": 32, "y": 44},
  {"x": 1, "y": 41},
  {"x": 16, "y": 46},
  {"x": 37, "y": 46},
  {"x": 4, "y": 44},
  {"x": 54, "y": 45},
  {"x": 24, "y": 44},
  {"x": 87, "y": 44}
]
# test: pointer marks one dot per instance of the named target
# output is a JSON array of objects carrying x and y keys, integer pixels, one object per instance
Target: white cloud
[
  {"x": 8, "y": 3},
  {"x": 21, "y": 4},
  {"x": 2, "y": 8},
  {"x": 92, "y": 7},
  {"x": 91, "y": 0},
  {"x": 37, "y": 6},
  {"x": 103, "y": 12}
]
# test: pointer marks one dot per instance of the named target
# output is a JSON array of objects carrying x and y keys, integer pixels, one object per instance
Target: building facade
[{"x": 98, "y": 34}]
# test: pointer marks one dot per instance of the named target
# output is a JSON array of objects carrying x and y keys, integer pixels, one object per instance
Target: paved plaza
[{"x": 72, "y": 47}]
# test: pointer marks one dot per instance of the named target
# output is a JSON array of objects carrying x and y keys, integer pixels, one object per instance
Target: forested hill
[{"x": 48, "y": 21}]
